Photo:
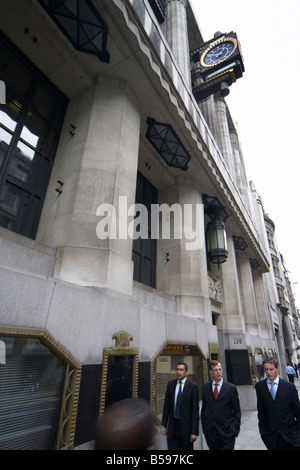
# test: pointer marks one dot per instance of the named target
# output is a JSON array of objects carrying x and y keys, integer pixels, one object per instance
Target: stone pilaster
[
  {"x": 177, "y": 34},
  {"x": 223, "y": 134},
  {"x": 239, "y": 168},
  {"x": 248, "y": 295},
  {"x": 182, "y": 271},
  {"x": 263, "y": 315},
  {"x": 97, "y": 166},
  {"x": 232, "y": 318}
]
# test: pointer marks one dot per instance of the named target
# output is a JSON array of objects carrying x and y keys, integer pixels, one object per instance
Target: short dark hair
[
  {"x": 271, "y": 360},
  {"x": 128, "y": 424},
  {"x": 183, "y": 364}
]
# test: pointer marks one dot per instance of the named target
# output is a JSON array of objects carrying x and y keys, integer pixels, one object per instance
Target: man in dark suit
[
  {"x": 181, "y": 411},
  {"x": 220, "y": 412},
  {"x": 278, "y": 410}
]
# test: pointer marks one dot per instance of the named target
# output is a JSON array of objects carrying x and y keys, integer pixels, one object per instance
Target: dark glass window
[
  {"x": 158, "y": 7},
  {"x": 144, "y": 249},
  {"x": 30, "y": 124}
]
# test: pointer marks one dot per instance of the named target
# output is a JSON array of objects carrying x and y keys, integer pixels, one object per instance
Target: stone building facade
[{"x": 87, "y": 318}]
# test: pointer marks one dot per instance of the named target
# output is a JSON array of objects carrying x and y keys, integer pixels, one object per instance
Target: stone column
[
  {"x": 177, "y": 35},
  {"x": 222, "y": 132},
  {"x": 97, "y": 166},
  {"x": 182, "y": 271},
  {"x": 208, "y": 109},
  {"x": 239, "y": 168},
  {"x": 264, "y": 319},
  {"x": 248, "y": 295},
  {"x": 232, "y": 319}
]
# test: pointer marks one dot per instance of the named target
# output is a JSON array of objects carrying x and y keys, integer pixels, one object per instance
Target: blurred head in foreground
[{"x": 127, "y": 425}]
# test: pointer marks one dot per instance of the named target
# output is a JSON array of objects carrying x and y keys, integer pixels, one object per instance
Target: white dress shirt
[
  {"x": 177, "y": 387},
  {"x": 219, "y": 385}
]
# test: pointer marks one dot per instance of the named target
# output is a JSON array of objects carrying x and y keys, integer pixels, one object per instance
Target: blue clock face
[{"x": 218, "y": 53}]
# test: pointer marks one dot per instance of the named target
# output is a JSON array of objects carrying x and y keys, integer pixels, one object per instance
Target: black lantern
[
  {"x": 81, "y": 23},
  {"x": 216, "y": 241}
]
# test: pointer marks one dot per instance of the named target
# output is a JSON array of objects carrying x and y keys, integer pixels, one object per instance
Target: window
[
  {"x": 276, "y": 267},
  {"x": 39, "y": 382},
  {"x": 30, "y": 124},
  {"x": 281, "y": 296},
  {"x": 144, "y": 249},
  {"x": 158, "y": 8}
]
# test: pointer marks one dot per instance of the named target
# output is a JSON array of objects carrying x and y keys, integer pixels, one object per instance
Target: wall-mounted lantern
[{"x": 216, "y": 242}]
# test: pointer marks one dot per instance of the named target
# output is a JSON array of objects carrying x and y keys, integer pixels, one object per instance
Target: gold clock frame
[
  {"x": 122, "y": 348},
  {"x": 214, "y": 44}
]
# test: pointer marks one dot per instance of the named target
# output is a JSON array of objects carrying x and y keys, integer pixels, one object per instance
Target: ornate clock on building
[
  {"x": 215, "y": 65},
  {"x": 219, "y": 52}
]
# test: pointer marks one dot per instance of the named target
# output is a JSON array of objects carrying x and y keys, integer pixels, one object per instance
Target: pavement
[
  {"x": 249, "y": 436},
  {"x": 248, "y": 439}
]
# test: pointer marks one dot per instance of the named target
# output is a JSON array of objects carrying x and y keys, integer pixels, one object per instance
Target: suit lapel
[
  {"x": 266, "y": 389},
  {"x": 185, "y": 388},
  {"x": 279, "y": 388},
  {"x": 211, "y": 390},
  {"x": 173, "y": 390},
  {"x": 223, "y": 389}
]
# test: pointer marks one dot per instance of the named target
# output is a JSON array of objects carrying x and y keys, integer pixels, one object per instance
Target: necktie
[
  {"x": 272, "y": 390},
  {"x": 216, "y": 392},
  {"x": 177, "y": 408}
]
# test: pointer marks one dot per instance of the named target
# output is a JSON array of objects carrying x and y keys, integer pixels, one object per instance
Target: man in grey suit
[
  {"x": 278, "y": 409},
  {"x": 220, "y": 412},
  {"x": 180, "y": 418}
]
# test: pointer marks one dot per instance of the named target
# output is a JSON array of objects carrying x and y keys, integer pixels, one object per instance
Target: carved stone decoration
[
  {"x": 215, "y": 288},
  {"x": 122, "y": 339}
]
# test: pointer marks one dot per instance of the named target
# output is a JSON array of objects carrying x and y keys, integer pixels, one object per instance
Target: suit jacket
[
  {"x": 189, "y": 409},
  {"x": 281, "y": 415},
  {"x": 220, "y": 417}
]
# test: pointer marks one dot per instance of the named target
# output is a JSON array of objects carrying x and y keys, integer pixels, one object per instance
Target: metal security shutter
[{"x": 31, "y": 388}]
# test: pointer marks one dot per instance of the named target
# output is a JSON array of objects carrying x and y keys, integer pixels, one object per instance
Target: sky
[{"x": 265, "y": 107}]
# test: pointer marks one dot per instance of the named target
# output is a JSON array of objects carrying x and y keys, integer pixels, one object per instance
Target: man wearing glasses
[{"x": 181, "y": 411}]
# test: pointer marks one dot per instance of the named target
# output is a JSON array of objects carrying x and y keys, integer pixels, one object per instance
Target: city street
[{"x": 249, "y": 437}]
